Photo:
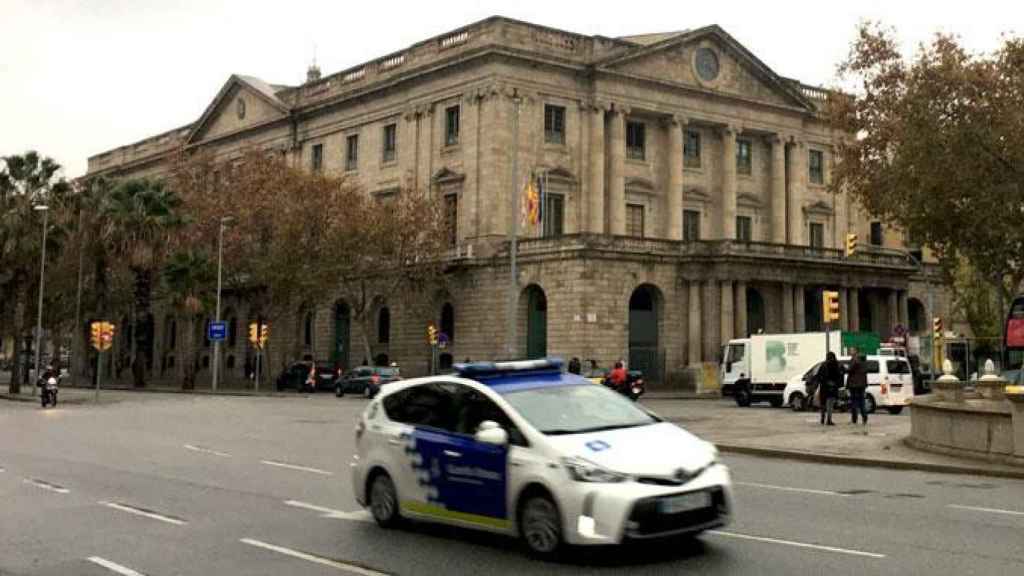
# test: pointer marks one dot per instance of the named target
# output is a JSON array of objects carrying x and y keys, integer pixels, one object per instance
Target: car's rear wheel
[
  {"x": 796, "y": 402},
  {"x": 368, "y": 391},
  {"x": 339, "y": 391},
  {"x": 894, "y": 410},
  {"x": 540, "y": 525},
  {"x": 384, "y": 501}
]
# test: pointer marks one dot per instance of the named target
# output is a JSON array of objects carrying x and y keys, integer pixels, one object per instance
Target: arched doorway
[
  {"x": 755, "y": 312},
  {"x": 536, "y": 322},
  {"x": 644, "y": 320},
  {"x": 917, "y": 318},
  {"x": 342, "y": 332},
  {"x": 812, "y": 309}
]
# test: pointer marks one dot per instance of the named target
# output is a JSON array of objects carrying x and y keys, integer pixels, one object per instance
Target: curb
[
  {"x": 867, "y": 462},
  {"x": 273, "y": 394},
  {"x": 35, "y": 399}
]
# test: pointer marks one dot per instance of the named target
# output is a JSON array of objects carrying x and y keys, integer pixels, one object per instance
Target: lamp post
[
  {"x": 42, "y": 277},
  {"x": 513, "y": 236},
  {"x": 224, "y": 221}
]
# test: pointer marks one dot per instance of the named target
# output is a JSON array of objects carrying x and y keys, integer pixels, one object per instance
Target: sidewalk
[{"x": 781, "y": 433}]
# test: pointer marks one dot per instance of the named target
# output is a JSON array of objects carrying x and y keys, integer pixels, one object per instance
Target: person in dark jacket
[
  {"x": 857, "y": 383},
  {"x": 574, "y": 365},
  {"x": 831, "y": 381}
]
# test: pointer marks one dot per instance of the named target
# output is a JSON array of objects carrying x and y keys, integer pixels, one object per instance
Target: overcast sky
[{"x": 81, "y": 77}]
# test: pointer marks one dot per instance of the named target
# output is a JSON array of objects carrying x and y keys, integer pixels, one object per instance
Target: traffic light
[
  {"x": 254, "y": 333},
  {"x": 264, "y": 334},
  {"x": 937, "y": 326},
  {"x": 851, "y": 244},
  {"x": 830, "y": 306},
  {"x": 96, "y": 334},
  {"x": 431, "y": 334},
  {"x": 108, "y": 335}
]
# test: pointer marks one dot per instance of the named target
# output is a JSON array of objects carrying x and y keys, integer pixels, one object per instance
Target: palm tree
[
  {"x": 25, "y": 181},
  {"x": 139, "y": 217},
  {"x": 188, "y": 281}
]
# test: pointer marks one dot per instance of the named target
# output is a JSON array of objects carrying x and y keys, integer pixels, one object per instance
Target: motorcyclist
[
  {"x": 618, "y": 376},
  {"x": 48, "y": 373}
]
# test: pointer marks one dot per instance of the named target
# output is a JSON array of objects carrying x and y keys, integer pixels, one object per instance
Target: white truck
[{"x": 757, "y": 369}]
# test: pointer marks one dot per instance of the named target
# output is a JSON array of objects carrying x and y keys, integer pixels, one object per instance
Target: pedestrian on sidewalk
[
  {"x": 831, "y": 380},
  {"x": 857, "y": 383}
]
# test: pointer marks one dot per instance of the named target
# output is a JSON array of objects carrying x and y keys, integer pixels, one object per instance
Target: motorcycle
[
  {"x": 48, "y": 392},
  {"x": 633, "y": 388}
]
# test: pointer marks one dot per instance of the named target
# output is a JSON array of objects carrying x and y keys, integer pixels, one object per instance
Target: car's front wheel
[
  {"x": 894, "y": 410},
  {"x": 869, "y": 404},
  {"x": 540, "y": 525},
  {"x": 368, "y": 391},
  {"x": 742, "y": 397},
  {"x": 384, "y": 501},
  {"x": 796, "y": 402}
]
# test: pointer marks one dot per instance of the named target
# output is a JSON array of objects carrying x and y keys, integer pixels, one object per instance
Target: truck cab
[{"x": 735, "y": 365}]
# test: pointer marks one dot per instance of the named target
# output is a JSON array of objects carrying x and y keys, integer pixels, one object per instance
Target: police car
[{"x": 523, "y": 449}]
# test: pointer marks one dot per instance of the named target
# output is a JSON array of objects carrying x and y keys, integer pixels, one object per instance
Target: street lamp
[
  {"x": 224, "y": 221},
  {"x": 42, "y": 277}
]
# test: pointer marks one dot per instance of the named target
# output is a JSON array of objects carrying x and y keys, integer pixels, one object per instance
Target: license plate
[{"x": 684, "y": 502}]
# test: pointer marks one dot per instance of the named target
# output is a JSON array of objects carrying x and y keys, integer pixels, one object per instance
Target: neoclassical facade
[{"x": 686, "y": 196}]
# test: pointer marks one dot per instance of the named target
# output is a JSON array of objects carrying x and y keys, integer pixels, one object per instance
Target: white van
[{"x": 890, "y": 384}]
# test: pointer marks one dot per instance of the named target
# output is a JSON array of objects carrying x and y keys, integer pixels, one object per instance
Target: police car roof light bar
[{"x": 512, "y": 367}]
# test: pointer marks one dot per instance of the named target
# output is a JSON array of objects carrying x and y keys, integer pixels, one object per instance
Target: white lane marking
[
  {"x": 47, "y": 486},
  {"x": 993, "y": 510},
  {"x": 313, "y": 558},
  {"x": 296, "y": 467},
  {"x": 144, "y": 513},
  {"x": 114, "y": 567},
  {"x": 796, "y": 544},
  {"x": 791, "y": 489},
  {"x": 359, "y": 515},
  {"x": 195, "y": 448}
]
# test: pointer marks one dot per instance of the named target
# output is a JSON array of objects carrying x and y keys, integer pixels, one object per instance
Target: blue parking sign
[{"x": 217, "y": 331}]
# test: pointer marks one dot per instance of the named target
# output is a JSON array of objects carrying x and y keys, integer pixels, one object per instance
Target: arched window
[
  {"x": 384, "y": 325},
  {"x": 233, "y": 332},
  {"x": 448, "y": 321}
]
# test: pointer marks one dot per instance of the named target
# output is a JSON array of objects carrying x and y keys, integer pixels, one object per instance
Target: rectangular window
[
  {"x": 352, "y": 152},
  {"x": 390, "y": 142},
  {"x": 743, "y": 158},
  {"x": 554, "y": 215},
  {"x": 817, "y": 167},
  {"x": 876, "y": 234},
  {"x": 635, "y": 140},
  {"x": 691, "y": 149},
  {"x": 317, "y": 160},
  {"x": 744, "y": 229},
  {"x": 691, "y": 225},
  {"x": 451, "y": 219},
  {"x": 554, "y": 124},
  {"x": 817, "y": 235},
  {"x": 635, "y": 220},
  {"x": 451, "y": 126}
]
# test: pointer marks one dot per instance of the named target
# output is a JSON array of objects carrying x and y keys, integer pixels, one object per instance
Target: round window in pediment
[
  {"x": 240, "y": 108},
  {"x": 706, "y": 62}
]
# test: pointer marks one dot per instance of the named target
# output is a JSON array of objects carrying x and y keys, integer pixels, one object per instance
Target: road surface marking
[
  {"x": 330, "y": 512},
  {"x": 791, "y": 489},
  {"x": 195, "y": 448},
  {"x": 145, "y": 513},
  {"x": 796, "y": 544},
  {"x": 993, "y": 510},
  {"x": 47, "y": 486},
  {"x": 313, "y": 558},
  {"x": 114, "y": 567},
  {"x": 296, "y": 467}
]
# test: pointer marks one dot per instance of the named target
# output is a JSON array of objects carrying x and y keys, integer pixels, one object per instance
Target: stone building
[{"x": 686, "y": 196}]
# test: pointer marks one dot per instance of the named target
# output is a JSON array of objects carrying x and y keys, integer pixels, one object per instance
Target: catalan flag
[{"x": 531, "y": 203}]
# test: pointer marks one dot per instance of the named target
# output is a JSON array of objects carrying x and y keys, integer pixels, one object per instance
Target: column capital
[
  {"x": 677, "y": 120},
  {"x": 619, "y": 108},
  {"x": 776, "y": 139},
  {"x": 730, "y": 130}
]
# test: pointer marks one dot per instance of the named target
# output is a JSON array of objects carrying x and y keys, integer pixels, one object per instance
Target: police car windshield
[{"x": 576, "y": 409}]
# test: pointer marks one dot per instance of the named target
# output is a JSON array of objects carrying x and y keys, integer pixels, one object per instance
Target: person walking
[
  {"x": 831, "y": 381},
  {"x": 574, "y": 365},
  {"x": 857, "y": 383}
]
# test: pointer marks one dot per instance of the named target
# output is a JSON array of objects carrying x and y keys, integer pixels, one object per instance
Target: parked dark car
[
  {"x": 296, "y": 377},
  {"x": 366, "y": 380}
]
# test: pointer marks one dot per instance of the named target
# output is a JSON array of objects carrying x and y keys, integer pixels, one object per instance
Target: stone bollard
[
  {"x": 1015, "y": 394},
  {"x": 948, "y": 387},
  {"x": 992, "y": 386}
]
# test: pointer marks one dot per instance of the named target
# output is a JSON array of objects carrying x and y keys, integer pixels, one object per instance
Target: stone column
[
  {"x": 675, "y": 178},
  {"x": 728, "y": 183},
  {"x": 726, "y": 312},
  {"x": 893, "y": 312},
  {"x": 797, "y": 186},
  {"x": 740, "y": 328},
  {"x": 844, "y": 309},
  {"x": 800, "y": 320},
  {"x": 617, "y": 169},
  {"x": 787, "y": 308},
  {"x": 854, "y": 307},
  {"x": 595, "y": 209},
  {"x": 778, "y": 190},
  {"x": 711, "y": 322},
  {"x": 694, "y": 342}
]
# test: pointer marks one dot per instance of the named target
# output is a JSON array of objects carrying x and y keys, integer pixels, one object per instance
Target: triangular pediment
[
  {"x": 708, "y": 59},
  {"x": 243, "y": 102}
]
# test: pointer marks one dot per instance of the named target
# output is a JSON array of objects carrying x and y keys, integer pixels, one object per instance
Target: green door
[{"x": 536, "y": 323}]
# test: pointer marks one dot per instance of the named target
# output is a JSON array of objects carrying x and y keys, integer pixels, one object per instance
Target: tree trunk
[
  {"x": 19, "y": 371},
  {"x": 188, "y": 381},
  {"x": 140, "y": 352}
]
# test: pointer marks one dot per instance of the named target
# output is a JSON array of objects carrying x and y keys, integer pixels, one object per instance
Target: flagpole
[{"x": 513, "y": 288}]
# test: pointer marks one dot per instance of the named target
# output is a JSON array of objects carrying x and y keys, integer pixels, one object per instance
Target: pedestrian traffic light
[
  {"x": 431, "y": 334},
  {"x": 96, "y": 334},
  {"x": 851, "y": 244},
  {"x": 254, "y": 333},
  {"x": 830, "y": 306},
  {"x": 937, "y": 326},
  {"x": 264, "y": 334}
]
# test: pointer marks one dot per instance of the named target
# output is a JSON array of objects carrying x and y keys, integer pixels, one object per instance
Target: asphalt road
[{"x": 183, "y": 485}]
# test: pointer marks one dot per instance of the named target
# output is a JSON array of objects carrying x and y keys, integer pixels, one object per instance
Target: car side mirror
[{"x": 490, "y": 432}]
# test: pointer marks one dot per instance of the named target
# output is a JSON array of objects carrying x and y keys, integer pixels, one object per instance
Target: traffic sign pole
[{"x": 98, "y": 355}]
